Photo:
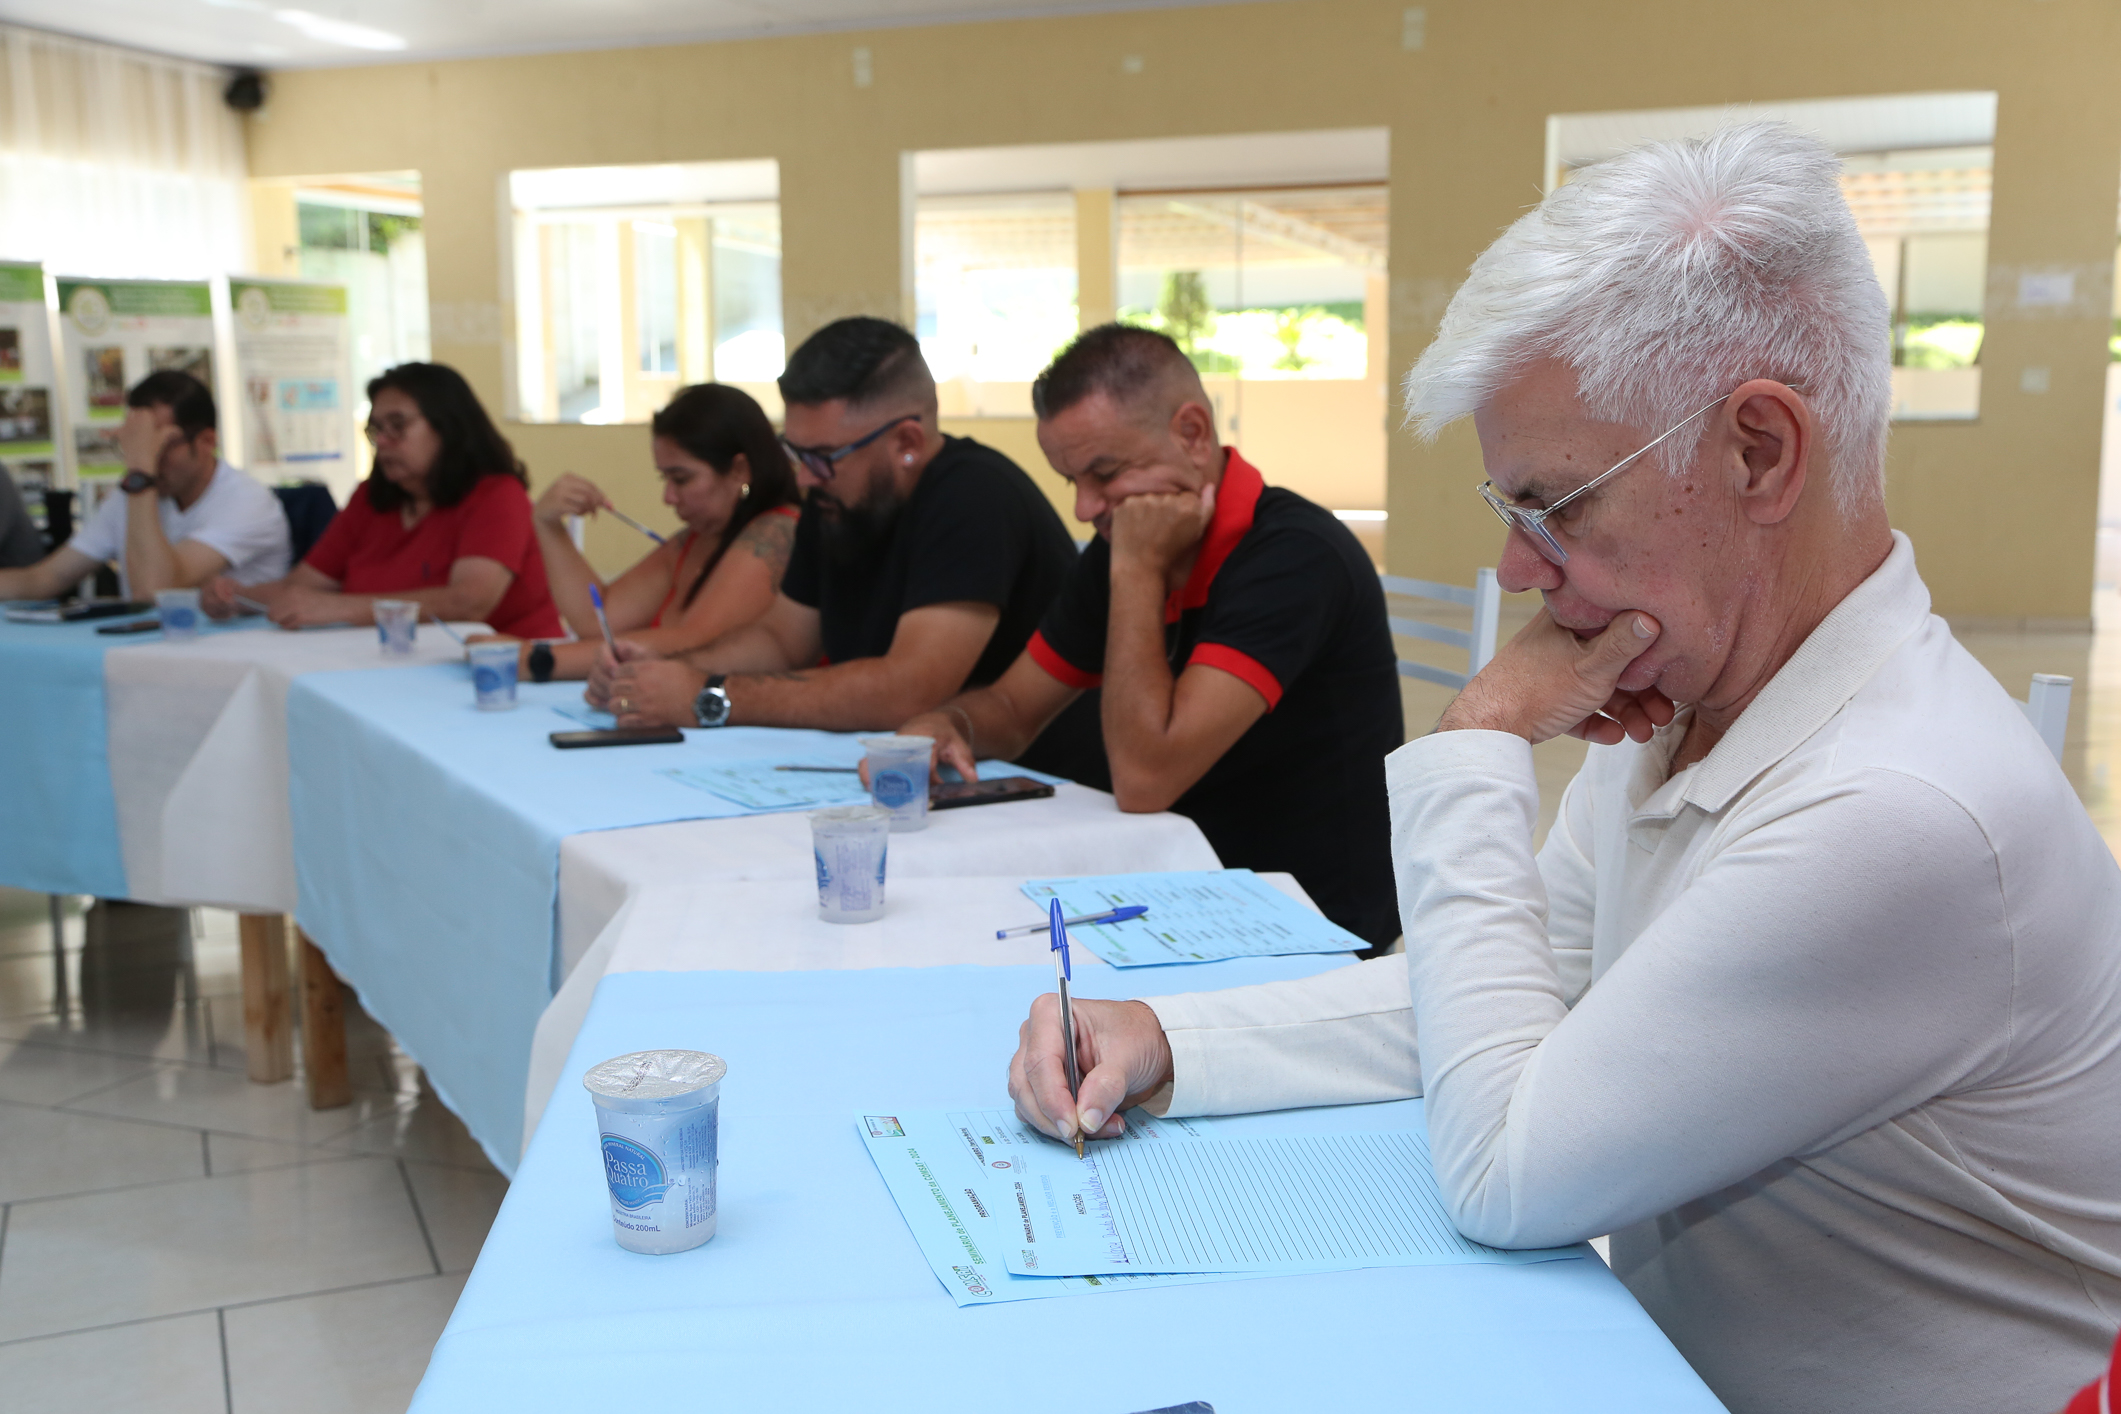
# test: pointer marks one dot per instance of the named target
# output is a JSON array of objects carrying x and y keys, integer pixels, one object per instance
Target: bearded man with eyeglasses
[
  {"x": 920, "y": 566},
  {"x": 1812, "y": 998}
]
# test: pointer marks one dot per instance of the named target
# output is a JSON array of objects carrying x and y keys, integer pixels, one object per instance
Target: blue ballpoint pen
[
  {"x": 1110, "y": 915},
  {"x": 1062, "y": 972},
  {"x": 603, "y": 623}
]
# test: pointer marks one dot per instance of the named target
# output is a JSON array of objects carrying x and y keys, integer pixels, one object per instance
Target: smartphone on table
[
  {"x": 955, "y": 795},
  {"x": 618, "y": 736}
]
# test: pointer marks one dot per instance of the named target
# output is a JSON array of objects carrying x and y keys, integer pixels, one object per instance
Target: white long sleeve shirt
[{"x": 1825, "y": 1030}]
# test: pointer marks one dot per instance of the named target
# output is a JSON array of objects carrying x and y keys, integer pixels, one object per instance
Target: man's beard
[{"x": 855, "y": 535}]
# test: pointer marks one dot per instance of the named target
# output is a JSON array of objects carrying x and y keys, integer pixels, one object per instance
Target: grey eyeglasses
[{"x": 1534, "y": 522}]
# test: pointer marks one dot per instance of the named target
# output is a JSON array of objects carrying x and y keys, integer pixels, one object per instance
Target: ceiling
[{"x": 293, "y": 34}]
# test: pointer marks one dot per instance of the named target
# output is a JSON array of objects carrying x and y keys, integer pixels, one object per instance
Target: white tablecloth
[
  {"x": 198, "y": 757},
  {"x": 772, "y": 926},
  {"x": 1076, "y": 831}
]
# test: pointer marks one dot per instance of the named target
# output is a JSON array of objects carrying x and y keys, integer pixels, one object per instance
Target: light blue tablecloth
[
  {"x": 813, "y": 1294},
  {"x": 58, "y": 818},
  {"x": 427, "y": 845}
]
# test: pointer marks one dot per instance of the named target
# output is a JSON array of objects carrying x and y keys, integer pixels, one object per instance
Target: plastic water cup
[
  {"x": 657, "y": 1117},
  {"x": 179, "y": 610},
  {"x": 851, "y": 841},
  {"x": 493, "y": 674},
  {"x": 396, "y": 620},
  {"x": 898, "y": 778}
]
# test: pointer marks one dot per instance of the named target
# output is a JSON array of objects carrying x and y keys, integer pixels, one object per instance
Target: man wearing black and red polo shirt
[{"x": 1236, "y": 630}]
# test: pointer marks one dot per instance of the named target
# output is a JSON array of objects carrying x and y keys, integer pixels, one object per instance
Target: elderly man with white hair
[{"x": 1812, "y": 999}]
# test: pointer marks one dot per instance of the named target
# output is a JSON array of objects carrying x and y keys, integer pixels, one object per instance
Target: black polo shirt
[
  {"x": 974, "y": 529},
  {"x": 1283, "y": 598}
]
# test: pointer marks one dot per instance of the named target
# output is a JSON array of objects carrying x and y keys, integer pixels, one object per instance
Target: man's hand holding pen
[{"x": 1124, "y": 1058}]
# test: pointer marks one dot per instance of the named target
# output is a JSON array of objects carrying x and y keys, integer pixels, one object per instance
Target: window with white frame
[{"x": 631, "y": 282}]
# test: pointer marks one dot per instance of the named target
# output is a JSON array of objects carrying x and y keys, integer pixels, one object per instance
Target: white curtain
[{"x": 118, "y": 163}]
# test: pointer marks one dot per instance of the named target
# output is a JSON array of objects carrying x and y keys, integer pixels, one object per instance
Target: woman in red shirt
[
  {"x": 443, "y": 520},
  {"x": 729, "y": 481}
]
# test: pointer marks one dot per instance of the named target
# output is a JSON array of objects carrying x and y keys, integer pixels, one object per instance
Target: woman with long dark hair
[
  {"x": 729, "y": 482},
  {"x": 443, "y": 520}
]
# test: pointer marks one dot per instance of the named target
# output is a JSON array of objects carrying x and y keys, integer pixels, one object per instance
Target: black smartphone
[
  {"x": 955, "y": 795},
  {"x": 618, "y": 736},
  {"x": 137, "y": 626},
  {"x": 102, "y": 609}
]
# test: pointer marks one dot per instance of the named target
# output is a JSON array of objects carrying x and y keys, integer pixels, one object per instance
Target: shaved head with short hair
[{"x": 1140, "y": 370}]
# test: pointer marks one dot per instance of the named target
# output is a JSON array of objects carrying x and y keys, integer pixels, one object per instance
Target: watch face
[{"x": 134, "y": 482}]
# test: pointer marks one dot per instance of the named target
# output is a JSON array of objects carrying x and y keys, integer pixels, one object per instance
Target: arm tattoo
[{"x": 770, "y": 537}]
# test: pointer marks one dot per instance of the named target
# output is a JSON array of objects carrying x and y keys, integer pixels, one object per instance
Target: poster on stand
[
  {"x": 29, "y": 395},
  {"x": 294, "y": 371},
  {"x": 113, "y": 333}
]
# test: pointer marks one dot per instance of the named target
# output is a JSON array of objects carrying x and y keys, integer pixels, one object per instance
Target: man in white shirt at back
[
  {"x": 1812, "y": 998},
  {"x": 184, "y": 515}
]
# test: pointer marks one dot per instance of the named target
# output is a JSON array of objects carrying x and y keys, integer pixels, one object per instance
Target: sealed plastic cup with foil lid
[{"x": 657, "y": 1117}]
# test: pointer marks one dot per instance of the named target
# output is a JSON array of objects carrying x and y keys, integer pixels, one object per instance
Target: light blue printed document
[
  {"x": 935, "y": 1163},
  {"x": 957, "y": 1176},
  {"x": 1282, "y": 1203},
  {"x": 1193, "y": 917},
  {"x": 756, "y": 785},
  {"x": 588, "y": 716}
]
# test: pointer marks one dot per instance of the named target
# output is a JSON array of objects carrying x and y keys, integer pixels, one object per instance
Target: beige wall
[{"x": 2001, "y": 509}]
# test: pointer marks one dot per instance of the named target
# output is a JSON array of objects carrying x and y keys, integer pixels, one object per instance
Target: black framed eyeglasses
[{"x": 821, "y": 462}]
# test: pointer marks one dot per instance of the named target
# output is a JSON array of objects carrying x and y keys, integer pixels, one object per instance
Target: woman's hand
[
  {"x": 571, "y": 495},
  {"x": 299, "y": 606}
]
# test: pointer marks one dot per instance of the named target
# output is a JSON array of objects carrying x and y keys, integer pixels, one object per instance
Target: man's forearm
[
  {"x": 868, "y": 694},
  {"x": 1138, "y": 685},
  {"x": 996, "y": 728},
  {"x": 150, "y": 560},
  {"x": 750, "y": 649}
]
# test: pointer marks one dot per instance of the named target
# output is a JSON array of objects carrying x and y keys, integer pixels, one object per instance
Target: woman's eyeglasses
[{"x": 389, "y": 429}]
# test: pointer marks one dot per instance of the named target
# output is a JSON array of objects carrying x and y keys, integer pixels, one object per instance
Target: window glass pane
[
  {"x": 748, "y": 347},
  {"x": 655, "y": 288},
  {"x": 631, "y": 281},
  {"x": 995, "y": 294},
  {"x": 1924, "y": 217}
]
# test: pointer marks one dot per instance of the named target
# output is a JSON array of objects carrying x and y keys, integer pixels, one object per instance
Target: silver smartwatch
[{"x": 711, "y": 707}]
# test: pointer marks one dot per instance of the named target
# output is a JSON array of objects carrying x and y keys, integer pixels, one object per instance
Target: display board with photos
[
  {"x": 29, "y": 399},
  {"x": 294, "y": 374},
  {"x": 112, "y": 334}
]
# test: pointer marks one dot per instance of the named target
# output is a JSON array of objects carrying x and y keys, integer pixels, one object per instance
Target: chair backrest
[
  {"x": 2046, "y": 706},
  {"x": 309, "y": 508},
  {"x": 1484, "y": 599}
]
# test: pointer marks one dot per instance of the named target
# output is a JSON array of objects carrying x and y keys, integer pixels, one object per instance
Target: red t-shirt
[{"x": 371, "y": 552}]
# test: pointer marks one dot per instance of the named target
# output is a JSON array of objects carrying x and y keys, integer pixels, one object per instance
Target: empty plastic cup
[
  {"x": 898, "y": 778},
  {"x": 395, "y": 623},
  {"x": 851, "y": 842},
  {"x": 493, "y": 674},
  {"x": 658, "y": 1114},
  {"x": 179, "y": 610}
]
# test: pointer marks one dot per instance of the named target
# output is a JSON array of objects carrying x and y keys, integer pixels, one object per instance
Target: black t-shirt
[
  {"x": 1282, "y": 597},
  {"x": 974, "y": 529}
]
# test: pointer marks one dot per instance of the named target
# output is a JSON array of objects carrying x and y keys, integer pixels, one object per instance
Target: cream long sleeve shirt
[{"x": 1824, "y": 1030}]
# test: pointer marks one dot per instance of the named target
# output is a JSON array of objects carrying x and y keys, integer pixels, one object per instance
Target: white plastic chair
[
  {"x": 2046, "y": 706},
  {"x": 1484, "y": 599}
]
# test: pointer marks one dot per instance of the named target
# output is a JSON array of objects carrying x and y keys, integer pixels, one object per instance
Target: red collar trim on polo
[{"x": 1235, "y": 501}]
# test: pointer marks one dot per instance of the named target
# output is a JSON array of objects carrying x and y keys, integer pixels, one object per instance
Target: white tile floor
[{"x": 175, "y": 1238}]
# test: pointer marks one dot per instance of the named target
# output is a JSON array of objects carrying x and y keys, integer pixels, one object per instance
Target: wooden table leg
[
  {"x": 268, "y": 1006},
  {"x": 323, "y": 1030}
]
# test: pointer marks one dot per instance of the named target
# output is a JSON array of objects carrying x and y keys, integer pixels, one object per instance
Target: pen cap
[{"x": 1059, "y": 943}]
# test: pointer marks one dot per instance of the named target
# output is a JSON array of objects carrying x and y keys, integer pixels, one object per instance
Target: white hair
[{"x": 1667, "y": 276}]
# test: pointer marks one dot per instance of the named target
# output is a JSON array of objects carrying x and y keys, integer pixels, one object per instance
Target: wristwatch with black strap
[
  {"x": 541, "y": 662},
  {"x": 136, "y": 481},
  {"x": 711, "y": 707}
]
